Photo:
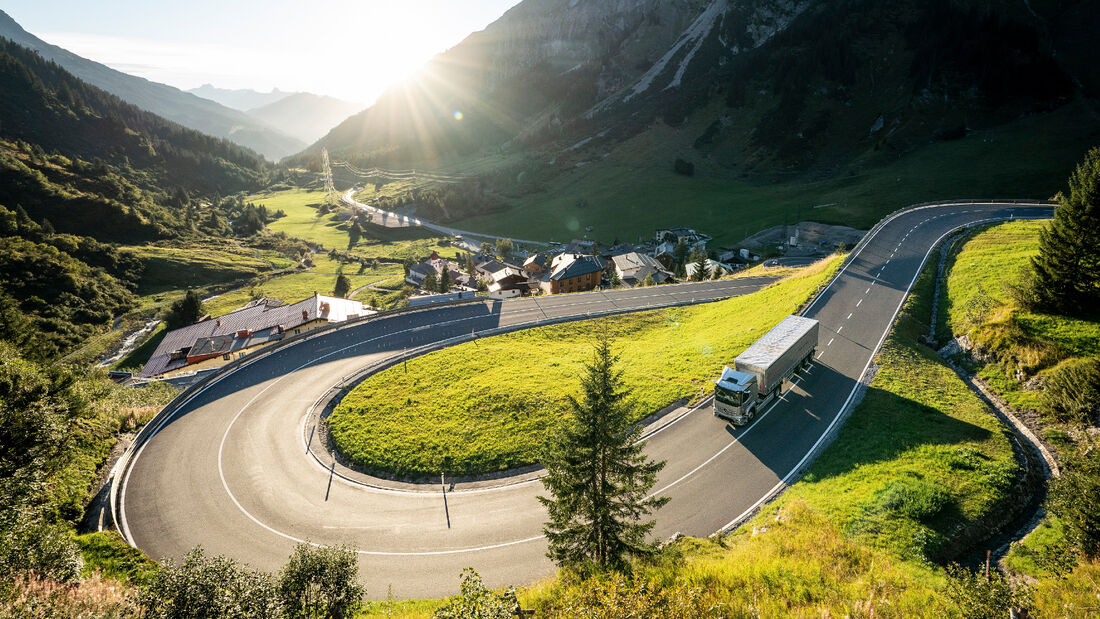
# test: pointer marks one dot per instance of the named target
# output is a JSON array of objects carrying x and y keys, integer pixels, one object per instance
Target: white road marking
[
  {"x": 860, "y": 302},
  {"x": 830, "y": 341},
  {"x": 838, "y": 329},
  {"x": 849, "y": 317}
]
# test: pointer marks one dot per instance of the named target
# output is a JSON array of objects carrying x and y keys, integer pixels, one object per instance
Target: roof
[
  {"x": 581, "y": 265},
  {"x": 634, "y": 261},
  {"x": 769, "y": 348},
  {"x": 732, "y": 380},
  {"x": 256, "y": 316},
  {"x": 540, "y": 258}
]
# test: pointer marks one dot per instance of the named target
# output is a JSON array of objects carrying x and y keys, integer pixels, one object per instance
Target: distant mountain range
[
  {"x": 171, "y": 103},
  {"x": 242, "y": 99},
  {"x": 304, "y": 115}
]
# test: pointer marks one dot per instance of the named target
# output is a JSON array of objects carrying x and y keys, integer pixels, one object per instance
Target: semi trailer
[{"x": 758, "y": 374}]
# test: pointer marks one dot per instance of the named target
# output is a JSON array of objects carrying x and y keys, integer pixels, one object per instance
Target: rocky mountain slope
[{"x": 758, "y": 90}]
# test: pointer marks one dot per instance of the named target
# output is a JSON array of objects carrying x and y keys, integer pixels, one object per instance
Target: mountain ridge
[{"x": 166, "y": 101}]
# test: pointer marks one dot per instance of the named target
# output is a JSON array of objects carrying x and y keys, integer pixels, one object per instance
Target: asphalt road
[{"x": 231, "y": 471}]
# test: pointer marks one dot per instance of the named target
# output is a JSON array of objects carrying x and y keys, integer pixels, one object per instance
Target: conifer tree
[
  {"x": 1065, "y": 276},
  {"x": 598, "y": 476},
  {"x": 701, "y": 270},
  {"x": 430, "y": 283},
  {"x": 445, "y": 280},
  {"x": 343, "y": 286}
]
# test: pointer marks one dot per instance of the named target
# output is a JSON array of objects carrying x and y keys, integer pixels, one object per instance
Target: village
[{"x": 492, "y": 271}]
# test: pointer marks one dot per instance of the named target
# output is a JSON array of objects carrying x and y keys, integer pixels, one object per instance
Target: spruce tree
[
  {"x": 597, "y": 475},
  {"x": 430, "y": 283},
  {"x": 701, "y": 270},
  {"x": 1065, "y": 276},
  {"x": 445, "y": 280},
  {"x": 343, "y": 286}
]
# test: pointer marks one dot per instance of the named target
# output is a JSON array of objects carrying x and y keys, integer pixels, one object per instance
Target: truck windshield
[{"x": 733, "y": 398}]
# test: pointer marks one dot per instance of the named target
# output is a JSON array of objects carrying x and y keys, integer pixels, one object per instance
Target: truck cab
[{"x": 735, "y": 396}]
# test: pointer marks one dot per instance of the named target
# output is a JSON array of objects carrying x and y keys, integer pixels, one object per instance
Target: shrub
[
  {"x": 476, "y": 601},
  {"x": 981, "y": 597},
  {"x": 321, "y": 582},
  {"x": 209, "y": 587},
  {"x": 683, "y": 167},
  {"x": 1073, "y": 498},
  {"x": 1073, "y": 390}
]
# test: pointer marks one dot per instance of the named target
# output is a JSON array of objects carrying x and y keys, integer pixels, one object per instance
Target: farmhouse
[
  {"x": 634, "y": 267},
  {"x": 219, "y": 340},
  {"x": 576, "y": 274}
]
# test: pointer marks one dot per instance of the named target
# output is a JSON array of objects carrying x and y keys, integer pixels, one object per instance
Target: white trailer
[{"x": 759, "y": 373}]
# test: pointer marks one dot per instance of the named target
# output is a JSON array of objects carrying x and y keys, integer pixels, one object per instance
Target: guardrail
[{"x": 912, "y": 207}]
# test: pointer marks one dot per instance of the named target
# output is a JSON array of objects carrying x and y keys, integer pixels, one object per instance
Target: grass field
[
  {"x": 486, "y": 406},
  {"x": 173, "y": 268},
  {"x": 303, "y": 221},
  {"x": 633, "y": 190},
  {"x": 977, "y": 300},
  {"x": 294, "y": 287}
]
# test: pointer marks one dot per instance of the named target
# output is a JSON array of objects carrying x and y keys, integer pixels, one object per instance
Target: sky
[{"x": 351, "y": 49}]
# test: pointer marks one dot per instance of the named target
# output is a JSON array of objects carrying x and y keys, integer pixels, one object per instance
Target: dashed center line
[
  {"x": 838, "y": 329},
  {"x": 830, "y": 341},
  {"x": 849, "y": 316},
  {"x": 860, "y": 302}
]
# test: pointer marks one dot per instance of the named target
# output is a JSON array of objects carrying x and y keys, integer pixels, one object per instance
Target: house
[
  {"x": 486, "y": 269},
  {"x": 219, "y": 340},
  {"x": 509, "y": 282},
  {"x": 575, "y": 275},
  {"x": 536, "y": 264},
  {"x": 633, "y": 268},
  {"x": 436, "y": 265},
  {"x": 581, "y": 246},
  {"x": 694, "y": 240},
  {"x": 726, "y": 269},
  {"x": 665, "y": 253}
]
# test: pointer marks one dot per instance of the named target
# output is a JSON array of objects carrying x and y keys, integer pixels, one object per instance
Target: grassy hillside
[
  {"x": 304, "y": 221},
  {"x": 486, "y": 406},
  {"x": 1016, "y": 345},
  {"x": 978, "y": 302},
  {"x": 633, "y": 190}
]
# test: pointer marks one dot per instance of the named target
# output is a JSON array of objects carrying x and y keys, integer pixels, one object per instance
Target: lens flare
[{"x": 457, "y": 114}]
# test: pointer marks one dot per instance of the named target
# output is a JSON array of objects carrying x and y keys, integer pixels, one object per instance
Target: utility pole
[{"x": 326, "y": 172}]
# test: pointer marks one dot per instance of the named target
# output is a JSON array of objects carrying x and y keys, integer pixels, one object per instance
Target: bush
[
  {"x": 209, "y": 587},
  {"x": 321, "y": 582},
  {"x": 681, "y": 166},
  {"x": 477, "y": 601},
  {"x": 1073, "y": 498},
  {"x": 979, "y": 597},
  {"x": 617, "y": 597},
  {"x": 1072, "y": 390}
]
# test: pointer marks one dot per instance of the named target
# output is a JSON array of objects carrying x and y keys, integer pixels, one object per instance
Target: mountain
[
  {"x": 91, "y": 163},
  {"x": 171, "y": 103},
  {"x": 242, "y": 99},
  {"x": 755, "y": 92},
  {"x": 305, "y": 116}
]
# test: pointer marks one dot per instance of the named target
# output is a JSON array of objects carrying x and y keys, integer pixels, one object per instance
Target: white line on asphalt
[
  {"x": 830, "y": 341},
  {"x": 838, "y": 329},
  {"x": 836, "y": 419},
  {"x": 860, "y": 302},
  {"x": 849, "y": 317}
]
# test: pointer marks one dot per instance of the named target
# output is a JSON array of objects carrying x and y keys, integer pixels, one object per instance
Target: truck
[{"x": 759, "y": 373}]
